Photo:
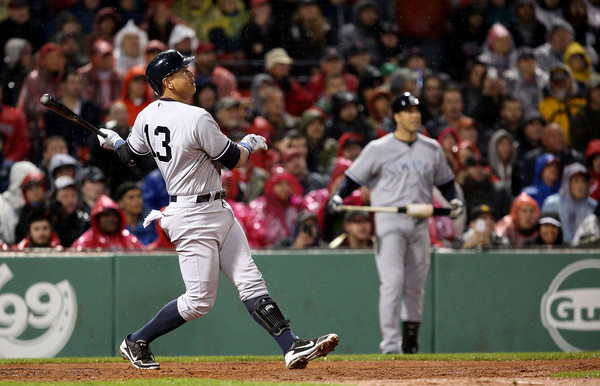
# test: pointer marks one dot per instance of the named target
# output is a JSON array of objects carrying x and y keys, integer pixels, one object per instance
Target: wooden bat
[
  {"x": 59, "y": 108},
  {"x": 412, "y": 210}
]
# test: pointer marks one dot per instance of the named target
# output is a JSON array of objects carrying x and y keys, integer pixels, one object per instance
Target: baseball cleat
[
  {"x": 139, "y": 354},
  {"x": 304, "y": 351}
]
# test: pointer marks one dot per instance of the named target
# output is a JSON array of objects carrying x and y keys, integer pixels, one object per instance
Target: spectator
[
  {"x": 106, "y": 25},
  {"x": 380, "y": 111},
  {"x": 262, "y": 33},
  {"x": 481, "y": 234},
  {"x": 431, "y": 98},
  {"x": 294, "y": 162},
  {"x": 499, "y": 50},
  {"x": 358, "y": 232},
  {"x": 464, "y": 40},
  {"x": 553, "y": 141},
  {"x": 45, "y": 78},
  {"x": 546, "y": 180},
  {"x": 502, "y": 155},
  {"x": 349, "y": 146},
  {"x": 79, "y": 141},
  {"x": 278, "y": 65},
  {"x": 34, "y": 194},
  {"x": 583, "y": 125},
  {"x": 580, "y": 65},
  {"x": 207, "y": 94},
  {"x": 587, "y": 234},
  {"x": 549, "y": 232},
  {"x": 196, "y": 14},
  {"x": 358, "y": 60},
  {"x": 346, "y": 117},
  {"x": 529, "y": 135},
  {"x": 39, "y": 233},
  {"x": 18, "y": 60},
  {"x": 14, "y": 135},
  {"x": 74, "y": 48},
  {"x": 62, "y": 165},
  {"x": 472, "y": 86},
  {"x": 160, "y": 21},
  {"x": 52, "y": 145},
  {"x": 12, "y": 200},
  {"x": 334, "y": 83},
  {"x": 86, "y": 10},
  {"x": 131, "y": 10},
  {"x": 205, "y": 64},
  {"x": 525, "y": 28},
  {"x": 321, "y": 148},
  {"x": 276, "y": 210},
  {"x": 525, "y": 81},
  {"x": 309, "y": 34},
  {"x": 452, "y": 111},
  {"x": 331, "y": 63},
  {"x": 225, "y": 27},
  {"x": 519, "y": 226},
  {"x": 549, "y": 12},
  {"x": 135, "y": 94},
  {"x": 479, "y": 189},
  {"x": 129, "y": 197},
  {"x": 19, "y": 24},
  {"x": 450, "y": 140},
  {"x": 573, "y": 203},
  {"x": 183, "y": 39},
  {"x": 67, "y": 219},
  {"x": 576, "y": 15},
  {"x": 101, "y": 81},
  {"x": 592, "y": 161},
  {"x": 551, "y": 53},
  {"x": 468, "y": 130},
  {"x": 278, "y": 119},
  {"x": 130, "y": 42},
  {"x": 91, "y": 182},
  {"x": 390, "y": 49},
  {"x": 153, "y": 48},
  {"x": 107, "y": 232},
  {"x": 305, "y": 235},
  {"x": 229, "y": 117},
  {"x": 365, "y": 28}
]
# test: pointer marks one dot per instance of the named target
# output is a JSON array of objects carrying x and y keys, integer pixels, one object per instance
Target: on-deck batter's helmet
[
  {"x": 163, "y": 65},
  {"x": 404, "y": 101}
]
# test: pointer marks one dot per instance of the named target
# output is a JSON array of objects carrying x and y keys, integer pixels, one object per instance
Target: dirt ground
[{"x": 385, "y": 372}]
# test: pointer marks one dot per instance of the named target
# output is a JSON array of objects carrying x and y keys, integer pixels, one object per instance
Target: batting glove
[
  {"x": 456, "y": 208},
  {"x": 256, "y": 142},
  {"x": 111, "y": 139},
  {"x": 334, "y": 205}
]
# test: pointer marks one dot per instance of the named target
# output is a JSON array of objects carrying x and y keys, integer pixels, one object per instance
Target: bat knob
[{"x": 44, "y": 99}]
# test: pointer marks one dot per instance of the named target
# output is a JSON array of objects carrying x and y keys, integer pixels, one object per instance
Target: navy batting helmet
[
  {"x": 404, "y": 101},
  {"x": 163, "y": 65}
]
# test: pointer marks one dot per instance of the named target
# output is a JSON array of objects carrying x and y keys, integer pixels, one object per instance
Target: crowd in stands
[{"x": 509, "y": 88}]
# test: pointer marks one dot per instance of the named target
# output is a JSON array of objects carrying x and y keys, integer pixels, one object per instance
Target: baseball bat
[
  {"x": 59, "y": 108},
  {"x": 413, "y": 210}
]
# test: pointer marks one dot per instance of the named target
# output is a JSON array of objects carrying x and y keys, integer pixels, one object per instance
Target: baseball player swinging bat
[
  {"x": 62, "y": 110},
  {"x": 411, "y": 210}
]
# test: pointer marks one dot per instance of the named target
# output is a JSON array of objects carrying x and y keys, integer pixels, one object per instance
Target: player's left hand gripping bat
[{"x": 62, "y": 110}]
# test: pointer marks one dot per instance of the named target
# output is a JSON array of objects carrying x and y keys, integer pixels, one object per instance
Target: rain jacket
[
  {"x": 503, "y": 172},
  {"x": 14, "y": 126},
  {"x": 539, "y": 191},
  {"x": 25, "y": 244},
  {"x": 507, "y": 226},
  {"x": 581, "y": 77},
  {"x": 593, "y": 149},
  {"x": 122, "y": 240},
  {"x": 571, "y": 213},
  {"x": 273, "y": 217}
]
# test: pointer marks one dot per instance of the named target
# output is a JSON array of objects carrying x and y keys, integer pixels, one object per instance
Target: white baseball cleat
[
  {"x": 139, "y": 354},
  {"x": 304, "y": 351}
]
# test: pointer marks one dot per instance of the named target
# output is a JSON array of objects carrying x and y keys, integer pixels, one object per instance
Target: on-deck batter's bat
[
  {"x": 412, "y": 210},
  {"x": 62, "y": 110}
]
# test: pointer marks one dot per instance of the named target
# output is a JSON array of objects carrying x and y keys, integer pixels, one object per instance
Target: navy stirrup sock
[
  {"x": 166, "y": 320},
  {"x": 285, "y": 339}
]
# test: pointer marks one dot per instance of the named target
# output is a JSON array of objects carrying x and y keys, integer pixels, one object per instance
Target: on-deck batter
[
  {"x": 401, "y": 168},
  {"x": 189, "y": 150}
]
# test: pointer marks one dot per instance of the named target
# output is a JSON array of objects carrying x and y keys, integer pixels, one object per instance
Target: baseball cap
[
  {"x": 64, "y": 182},
  {"x": 525, "y": 52},
  {"x": 308, "y": 116},
  {"x": 532, "y": 115},
  {"x": 358, "y": 215},
  {"x": 277, "y": 56},
  {"x": 306, "y": 215},
  {"x": 227, "y": 103},
  {"x": 332, "y": 53},
  {"x": 482, "y": 209},
  {"x": 549, "y": 218},
  {"x": 91, "y": 173},
  {"x": 558, "y": 74}
]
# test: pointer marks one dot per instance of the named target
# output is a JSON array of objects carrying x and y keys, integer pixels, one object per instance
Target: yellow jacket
[{"x": 560, "y": 112}]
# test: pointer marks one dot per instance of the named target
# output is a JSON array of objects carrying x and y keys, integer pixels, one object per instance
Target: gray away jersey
[
  {"x": 185, "y": 142},
  {"x": 399, "y": 174}
]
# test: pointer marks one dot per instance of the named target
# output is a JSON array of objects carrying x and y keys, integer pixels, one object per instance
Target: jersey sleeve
[
  {"x": 442, "y": 173},
  {"x": 211, "y": 139},
  {"x": 362, "y": 169},
  {"x": 135, "y": 140}
]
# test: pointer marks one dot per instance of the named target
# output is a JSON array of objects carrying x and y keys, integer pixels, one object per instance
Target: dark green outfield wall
[{"x": 83, "y": 305}]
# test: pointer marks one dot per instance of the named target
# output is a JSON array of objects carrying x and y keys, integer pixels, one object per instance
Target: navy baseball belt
[{"x": 205, "y": 197}]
